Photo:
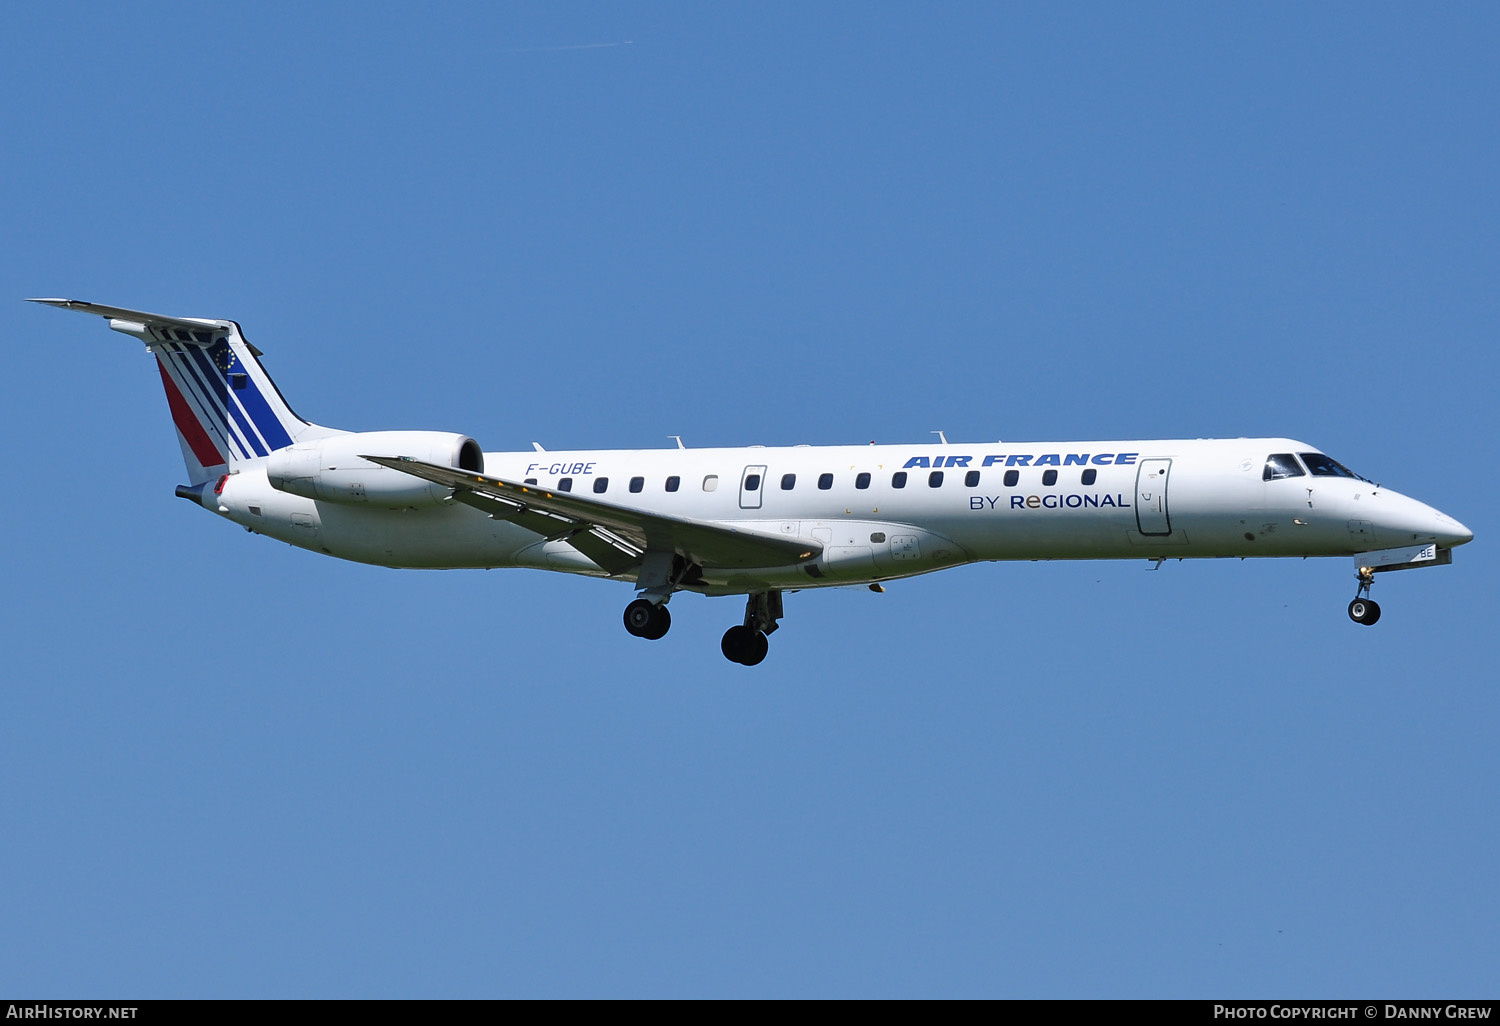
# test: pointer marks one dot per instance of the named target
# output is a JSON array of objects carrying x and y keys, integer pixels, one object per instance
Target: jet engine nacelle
[{"x": 331, "y": 469}]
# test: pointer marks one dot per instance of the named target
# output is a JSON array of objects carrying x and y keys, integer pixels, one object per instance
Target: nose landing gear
[{"x": 1364, "y": 609}]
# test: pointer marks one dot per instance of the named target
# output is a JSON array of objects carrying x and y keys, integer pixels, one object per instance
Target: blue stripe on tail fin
[{"x": 226, "y": 408}]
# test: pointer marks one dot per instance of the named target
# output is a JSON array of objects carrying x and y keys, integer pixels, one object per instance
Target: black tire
[
  {"x": 661, "y": 623},
  {"x": 735, "y": 644},
  {"x": 1365, "y": 611},
  {"x": 639, "y": 617},
  {"x": 756, "y": 649}
]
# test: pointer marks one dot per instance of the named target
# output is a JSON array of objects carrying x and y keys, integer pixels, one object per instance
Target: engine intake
[{"x": 331, "y": 469}]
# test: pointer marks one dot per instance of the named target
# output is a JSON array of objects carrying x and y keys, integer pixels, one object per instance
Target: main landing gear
[
  {"x": 1364, "y": 609},
  {"x": 661, "y": 574},
  {"x": 647, "y": 619},
  {"x": 746, "y": 644}
]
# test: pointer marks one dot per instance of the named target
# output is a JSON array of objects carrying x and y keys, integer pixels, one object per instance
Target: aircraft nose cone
[{"x": 1450, "y": 532}]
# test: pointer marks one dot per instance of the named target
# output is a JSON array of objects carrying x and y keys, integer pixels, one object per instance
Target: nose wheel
[
  {"x": 646, "y": 619},
  {"x": 1364, "y": 609}
]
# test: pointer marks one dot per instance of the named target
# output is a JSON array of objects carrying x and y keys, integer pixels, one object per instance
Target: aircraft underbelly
[{"x": 446, "y": 537}]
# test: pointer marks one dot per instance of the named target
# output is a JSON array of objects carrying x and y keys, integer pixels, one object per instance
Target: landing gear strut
[
  {"x": 646, "y": 619},
  {"x": 1364, "y": 609},
  {"x": 662, "y": 572},
  {"x": 746, "y": 644}
]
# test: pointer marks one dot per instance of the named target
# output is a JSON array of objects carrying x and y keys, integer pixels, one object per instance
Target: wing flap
[
  {"x": 613, "y": 555},
  {"x": 533, "y": 520},
  {"x": 707, "y": 544}
]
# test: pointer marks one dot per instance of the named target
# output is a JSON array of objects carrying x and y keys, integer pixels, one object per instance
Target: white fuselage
[
  {"x": 1143, "y": 499},
  {"x": 754, "y": 521}
]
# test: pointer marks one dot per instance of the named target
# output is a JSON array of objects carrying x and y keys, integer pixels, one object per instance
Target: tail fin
[{"x": 225, "y": 406}]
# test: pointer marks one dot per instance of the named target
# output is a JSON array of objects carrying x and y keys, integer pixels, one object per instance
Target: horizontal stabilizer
[
  {"x": 118, "y": 313},
  {"x": 225, "y": 407}
]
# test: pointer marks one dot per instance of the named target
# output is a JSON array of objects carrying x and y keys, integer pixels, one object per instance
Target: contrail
[{"x": 574, "y": 46}]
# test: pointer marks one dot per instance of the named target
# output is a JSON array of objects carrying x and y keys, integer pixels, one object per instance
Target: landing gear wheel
[
  {"x": 660, "y": 626},
  {"x": 638, "y": 617},
  {"x": 1365, "y": 611},
  {"x": 744, "y": 646},
  {"x": 733, "y": 643},
  {"x": 758, "y": 648},
  {"x": 647, "y": 620}
]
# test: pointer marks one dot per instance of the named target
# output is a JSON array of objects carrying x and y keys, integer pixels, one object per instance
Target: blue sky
[{"x": 228, "y": 768}]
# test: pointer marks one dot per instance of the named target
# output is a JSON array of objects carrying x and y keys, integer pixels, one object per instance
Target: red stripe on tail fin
[{"x": 182, "y": 415}]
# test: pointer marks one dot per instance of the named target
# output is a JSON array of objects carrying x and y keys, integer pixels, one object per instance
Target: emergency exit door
[
  {"x": 752, "y": 486},
  {"x": 1151, "y": 497}
]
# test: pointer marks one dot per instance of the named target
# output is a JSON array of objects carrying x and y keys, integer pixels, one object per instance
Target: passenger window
[
  {"x": 788, "y": 482},
  {"x": 752, "y": 482},
  {"x": 972, "y": 479},
  {"x": 1090, "y": 476},
  {"x": 825, "y": 481},
  {"x": 637, "y": 483},
  {"x": 877, "y": 537},
  {"x": 935, "y": 479},
  {"x": 1049, "y": 478},
  {"x": 529, "y": 480},
  {"x": 565, "y": 485},
  {"x": 898, "y": 479},
  {"x": 1279, "y": 465},
  {"x": 601, "y": 485},
  {"x": 673, "y": 482},
  {"x": 862, "y": 481},
  {"x": 711, "y": 483},
  {"x": 1012, "y": 478}
]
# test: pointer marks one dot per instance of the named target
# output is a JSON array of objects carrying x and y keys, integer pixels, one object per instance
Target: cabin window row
[
  {"x": 935, "y": 479},
  {"x": 638, "y": 484},
  {"x": 862, "y": 481}
]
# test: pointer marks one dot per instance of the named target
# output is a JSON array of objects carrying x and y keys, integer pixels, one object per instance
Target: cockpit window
[
  {"x": 1279, "y": 465},
  {"x": 1325, "y": 466}
]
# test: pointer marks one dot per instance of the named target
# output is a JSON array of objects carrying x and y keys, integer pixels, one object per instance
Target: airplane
[{"x": 754, "y": 521}]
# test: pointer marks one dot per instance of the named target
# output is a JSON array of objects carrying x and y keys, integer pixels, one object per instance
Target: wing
[{"x": 615, "y": 537}]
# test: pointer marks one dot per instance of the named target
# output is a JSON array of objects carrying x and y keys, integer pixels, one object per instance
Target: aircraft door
[
  {"x": 752, "y": 487},
  {"x": 1151, "y": 497}
]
